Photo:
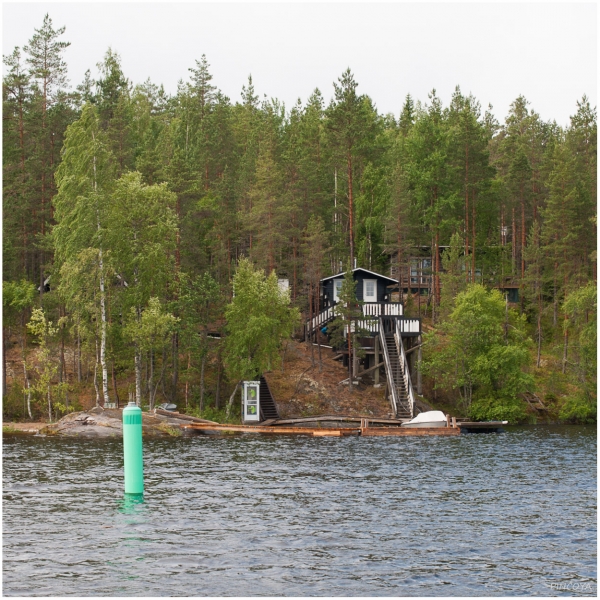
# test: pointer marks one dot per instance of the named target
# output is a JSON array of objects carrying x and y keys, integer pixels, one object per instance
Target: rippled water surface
[{"x": 487, "y": 514}]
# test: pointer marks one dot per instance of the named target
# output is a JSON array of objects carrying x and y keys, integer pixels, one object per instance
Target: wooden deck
[{"x": 205, "y": 428}]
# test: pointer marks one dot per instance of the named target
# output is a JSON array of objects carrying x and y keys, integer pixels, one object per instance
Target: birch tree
[
  {"x": 84, "y": 179},
  {"x": 143, "y": 227}
]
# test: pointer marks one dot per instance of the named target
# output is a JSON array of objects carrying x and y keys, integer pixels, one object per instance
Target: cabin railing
[
  {"x": 373, "y": 312},
  {"x": 382, "y": 309},
  {"x": 388, "y": 369},
  {"x": 408, "y": 325},
  {"x": 320, "y": 319},
  {"x": 405, "y": 370}
]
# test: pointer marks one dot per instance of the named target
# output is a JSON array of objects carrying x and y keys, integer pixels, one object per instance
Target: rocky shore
[{"x": 100, "y": 422}]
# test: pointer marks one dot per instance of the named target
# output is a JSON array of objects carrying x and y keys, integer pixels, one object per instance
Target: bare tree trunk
[
  {"x": 202, "y": 382},
  {"x": 565, "y": 349},
  {"x": 231, "y": 399},
  {"x": 218, "y": 388},
  {"x": 175, "y": 359},
  {"x": 138, "y": 377},
  {"x": 96, "y": 376},
  {"x": 150, "y": 379},
  {"x": 78, "y": 355},
  {"x": 102, "y": 299},
  {"x": 3, "y": 363},
  {"x": 350, "y": 357},
  {"x": 152, "y": 400},
  {"x": 114, "y": 382},
  {"x": 539, "y": 336},
  {"x": 310, "y": 320},
  {"x": 28, "y": 389},
  {"x": 187, "y": 379},
  {"x": 350, "y": 208}
]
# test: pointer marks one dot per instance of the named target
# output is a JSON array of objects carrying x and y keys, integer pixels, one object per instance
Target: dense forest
[{"x": 128, "y": 210}]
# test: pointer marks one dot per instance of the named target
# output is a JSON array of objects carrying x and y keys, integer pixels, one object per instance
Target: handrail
[
  {"x": 405, "y": 369},
  {"x": 382, "y": 309},
  {"x": 320, "y": 318},
  {"x": 388, "y": 368}
]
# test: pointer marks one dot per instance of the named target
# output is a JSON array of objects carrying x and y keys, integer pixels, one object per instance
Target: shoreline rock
[{"x": 100, "y": 423}]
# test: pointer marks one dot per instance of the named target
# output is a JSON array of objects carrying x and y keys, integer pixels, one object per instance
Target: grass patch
[{"x": 170, "y": 429}]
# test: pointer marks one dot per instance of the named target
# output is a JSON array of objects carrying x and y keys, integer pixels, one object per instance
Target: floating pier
[{"x": 364, "y": 430}]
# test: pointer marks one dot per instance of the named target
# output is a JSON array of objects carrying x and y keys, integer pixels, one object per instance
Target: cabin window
[
  {"x": 370, "y": 290},
  {"x": 337, "y": 289}
]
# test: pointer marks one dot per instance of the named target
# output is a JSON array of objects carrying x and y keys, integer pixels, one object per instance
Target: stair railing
[
  {"x": 405, "y": 370},
  {"x": 388, "y": 368},
  {"x": 320, "y": 319}
]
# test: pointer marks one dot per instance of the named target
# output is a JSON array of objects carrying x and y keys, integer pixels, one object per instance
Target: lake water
[{"x": 480, "y": 514}]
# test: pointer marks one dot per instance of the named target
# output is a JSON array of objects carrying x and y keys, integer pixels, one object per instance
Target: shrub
[
  {"x": 498, "y": 409},
  {"x": 579, "y": 408}
]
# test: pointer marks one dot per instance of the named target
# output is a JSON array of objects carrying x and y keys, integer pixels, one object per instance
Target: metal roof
[{"x": 341, "y": 274}]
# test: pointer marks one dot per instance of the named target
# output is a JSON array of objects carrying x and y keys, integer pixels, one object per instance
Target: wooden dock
[{"x": 364, "y": 430}]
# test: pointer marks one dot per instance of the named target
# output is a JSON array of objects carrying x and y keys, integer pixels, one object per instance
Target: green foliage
[
  {"x": 454, "y": 277},
  {"x": 580, "y": 408},
  {"x": 44, "y": 330},
  {"x": 17, "y": 297},
  {"x": 346, "y": 311},
  {"x": 150, "y": 329},
  {"x": 155, "y": 192},
  {"x": 219, "y": 415},
  {"x": 581, "y": 307},
  {"x": 508, "y": 409},
  {"x": 481, "y": 349},
  {"x": 259, "y": 320}
]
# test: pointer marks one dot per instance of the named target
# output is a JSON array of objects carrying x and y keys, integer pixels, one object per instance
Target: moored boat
[{"x": 430, "y": 418}]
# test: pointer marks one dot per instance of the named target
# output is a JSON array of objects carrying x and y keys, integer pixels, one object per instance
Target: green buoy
[{"x": 132, "y": 449}]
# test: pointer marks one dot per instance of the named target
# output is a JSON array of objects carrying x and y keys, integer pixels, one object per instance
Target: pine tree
[
  {"x": 351, "y": 124},
  {"x": 45, "y": 56}
]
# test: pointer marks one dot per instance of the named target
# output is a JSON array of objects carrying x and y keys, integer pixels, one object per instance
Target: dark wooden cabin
[
  {"x": 371, "y": 287},
  {"x": 390, "y": 336}
]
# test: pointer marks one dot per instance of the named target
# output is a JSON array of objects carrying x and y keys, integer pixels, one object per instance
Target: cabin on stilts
[{"x": 390, "y": 340}]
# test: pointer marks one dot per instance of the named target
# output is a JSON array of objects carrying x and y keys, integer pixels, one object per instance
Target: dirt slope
[{"x": 300, "y": 390}]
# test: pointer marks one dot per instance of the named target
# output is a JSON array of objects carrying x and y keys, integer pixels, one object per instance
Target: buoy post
[{"x": 132, "y": 449}]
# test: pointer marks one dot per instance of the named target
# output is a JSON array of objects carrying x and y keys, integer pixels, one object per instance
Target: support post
[
  {"x": 419, "y": 357},
  {"x": 377, "y": 359}
]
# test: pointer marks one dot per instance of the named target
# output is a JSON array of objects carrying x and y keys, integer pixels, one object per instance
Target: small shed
[{"x": 371, "y": 287}]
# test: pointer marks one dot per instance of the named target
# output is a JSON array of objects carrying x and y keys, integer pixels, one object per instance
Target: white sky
[{"x": 545, "y": 51}]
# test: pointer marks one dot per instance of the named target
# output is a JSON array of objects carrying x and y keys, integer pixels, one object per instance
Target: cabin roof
[{"x": 338, "y": 275}]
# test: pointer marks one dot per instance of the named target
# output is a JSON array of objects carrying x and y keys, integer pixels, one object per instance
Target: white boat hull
[
  {"x": 431, "y": 418},
  {"x": 426, "y": 424}
]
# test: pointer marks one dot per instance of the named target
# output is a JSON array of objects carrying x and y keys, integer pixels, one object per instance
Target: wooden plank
[
  {"x": 332, "y": 432},
  {"x": 259, "y": 429},
  {"x": 370, "y": 369},
  {"x": 325, "y": 418}
]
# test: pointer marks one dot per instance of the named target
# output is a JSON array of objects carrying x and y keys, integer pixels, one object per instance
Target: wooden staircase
[
  {"x": 396, "y": 370},
  {"x": 268, "y": 408},
  {"x": 396, "y": 366}
]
